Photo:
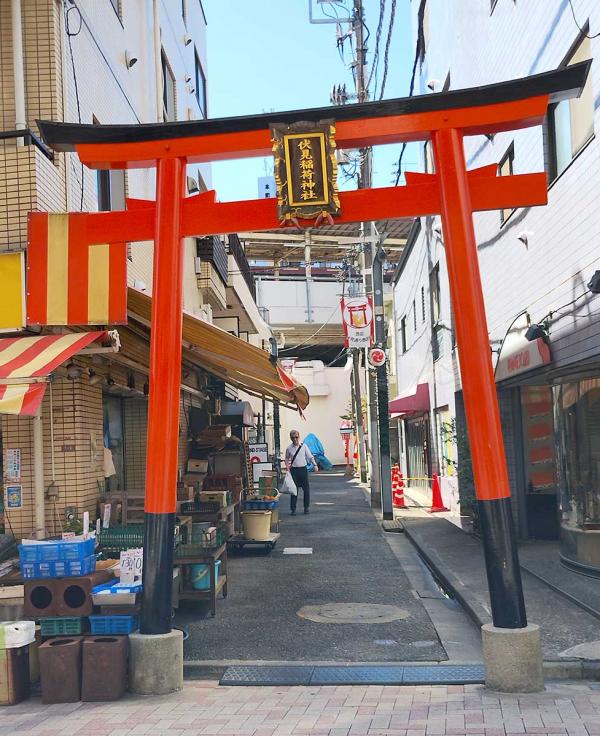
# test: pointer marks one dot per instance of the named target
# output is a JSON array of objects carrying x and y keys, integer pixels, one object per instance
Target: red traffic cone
[
  {"x": 398, "y": 490},
  {"x": 436, "y": 497}
]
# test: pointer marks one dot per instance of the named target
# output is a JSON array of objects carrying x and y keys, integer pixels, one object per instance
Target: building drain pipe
[
  {"x": 38, "y": 475},
  {"x": 18, "y": 69}
]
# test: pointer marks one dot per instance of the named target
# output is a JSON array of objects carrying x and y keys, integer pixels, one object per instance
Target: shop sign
[
  {"x": 305, "y": 170},
  {"x": 518, "y": 355},
  {"x": 12, "y": 464},
  {"x": 258, "y": 453},
  {"x": 14, "y": 497},
  {"x": 377, "y": 357},
  {"x": 357, "y": 316}
]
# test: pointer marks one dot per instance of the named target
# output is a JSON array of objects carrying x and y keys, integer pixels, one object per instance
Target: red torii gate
[{"x": 453, "y": 191}]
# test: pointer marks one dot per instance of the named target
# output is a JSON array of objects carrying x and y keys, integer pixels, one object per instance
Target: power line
[
  {"x": 387, "y": 48},
  {"x": 581, "y": 29},
  {"x": 375, "y": 62}
]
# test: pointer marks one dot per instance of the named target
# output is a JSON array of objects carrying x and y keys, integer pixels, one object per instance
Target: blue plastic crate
[
  {"x": 57, "y": 551},
  {"x": 113, "y": 624},
  {"x": 260, "y": 505},
  {"x": 66, "y": 569}
]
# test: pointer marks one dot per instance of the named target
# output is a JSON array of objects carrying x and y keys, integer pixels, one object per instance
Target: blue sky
[{"x": 264, "y": 55}]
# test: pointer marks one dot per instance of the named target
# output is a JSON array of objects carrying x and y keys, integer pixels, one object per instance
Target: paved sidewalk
[
  {"x": 205, "y": 708},
  {"x": 457, "y": 560}
]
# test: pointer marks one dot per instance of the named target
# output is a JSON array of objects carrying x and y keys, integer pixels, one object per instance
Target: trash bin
[
  {"x": 60, "y": 670},
  {"x": 104, "y": 668},
  {"x": 257, "y": 525}
]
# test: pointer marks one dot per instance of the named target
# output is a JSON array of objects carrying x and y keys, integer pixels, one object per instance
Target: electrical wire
[
  {"x": 308, "y": 339},
  {"x": 387, "y": 48},
  {"x": 70, "y": 34},
  {"x": 375, "y": 62},
  {"x": 418, "y": 52},
  {"x": 581, "y": 29}
]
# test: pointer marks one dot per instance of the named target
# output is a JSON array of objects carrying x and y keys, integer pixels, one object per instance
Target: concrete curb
[{"x": 450, "y": 583}]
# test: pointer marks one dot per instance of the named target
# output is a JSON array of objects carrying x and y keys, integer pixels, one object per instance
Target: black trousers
[{"x": 300, "y": 476}]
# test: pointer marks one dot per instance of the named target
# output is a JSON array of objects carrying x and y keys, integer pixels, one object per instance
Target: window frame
[
  {"x": 167, "y": 70},
  {"x": 550, "y": 126},
  {"x": 199, "y": 73},
  {"x": 509, "y": 157},
  {"x": 403, "y": 334}
]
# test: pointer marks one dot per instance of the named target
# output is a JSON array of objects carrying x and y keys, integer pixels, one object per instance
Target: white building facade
[{"x": 536, "y": 265}]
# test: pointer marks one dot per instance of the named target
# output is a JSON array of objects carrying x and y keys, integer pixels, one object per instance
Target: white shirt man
[{"x": 297, "y": 457}]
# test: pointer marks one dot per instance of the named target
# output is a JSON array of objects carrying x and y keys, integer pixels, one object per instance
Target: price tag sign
[
  {"x": 86, "y": 524},
  {"x": 68, "y": 535},
  {"x": 132, "y": 565},
  {"x": 127, "y": 567},
  {"x": 138, "y": 563},
  {"x": 106, "y": 519}
]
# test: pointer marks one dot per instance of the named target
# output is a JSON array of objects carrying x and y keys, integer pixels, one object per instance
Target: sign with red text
[
  {"x": 357, "y": 316},
  {"x": 518, "y": 355}
]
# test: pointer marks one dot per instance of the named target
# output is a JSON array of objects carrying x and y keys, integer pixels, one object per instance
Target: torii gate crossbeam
[{"x": 452, "y": 191}]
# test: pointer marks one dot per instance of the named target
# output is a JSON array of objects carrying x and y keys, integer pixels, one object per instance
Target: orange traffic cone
[
  {"x": 397, "y": 488},
  {"x": 436, "y": 500}
]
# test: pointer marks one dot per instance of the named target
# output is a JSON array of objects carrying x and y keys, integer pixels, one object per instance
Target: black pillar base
[
  {"x": 157, "y": 594},
  {"x": 502, "y": 563}
]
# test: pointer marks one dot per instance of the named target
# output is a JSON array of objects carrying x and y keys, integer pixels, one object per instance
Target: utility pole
[
  {"x": 358, "y": 414},
  {"x": 383, "y": 414},
  {"x": 362, "y": 95}
]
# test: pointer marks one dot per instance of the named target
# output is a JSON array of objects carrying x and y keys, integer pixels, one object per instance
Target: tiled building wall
[{"x": 76, "y": 468}]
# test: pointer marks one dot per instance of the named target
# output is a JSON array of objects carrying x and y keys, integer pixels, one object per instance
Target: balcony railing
[
  {"x": 212, "y": 250},
  {"x": 237, "y": 251}
]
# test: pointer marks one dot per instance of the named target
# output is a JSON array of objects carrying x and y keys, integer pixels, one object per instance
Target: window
[
  {"x": 434, "y": 288},
  {"x": 200, "y": 86},
  {"x": 505, "y": 168},
  {"x": 111, "y": 190},
  {"x": 403, "y": 334},
  {"x": 169, "y": 90},
  {"x": 423, "y": 304},
  {"x": 436, "y": 328},
  {"x": 414, "y": 316},
  {"x": 428, "y": 158},
  {"x": 571, "y": 122}
]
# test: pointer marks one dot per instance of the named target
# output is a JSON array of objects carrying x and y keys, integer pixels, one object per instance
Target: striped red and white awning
[{"x": 23, "y": 358}]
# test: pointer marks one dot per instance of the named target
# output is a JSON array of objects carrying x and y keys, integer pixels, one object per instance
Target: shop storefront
[{"x": 577, "y": 410}]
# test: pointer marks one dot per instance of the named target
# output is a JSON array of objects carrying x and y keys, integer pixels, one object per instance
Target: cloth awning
[
  {"x": 416, "y": 401},
  {"x": 233, "y": 360},
  {"x": 26, "y": 361}
]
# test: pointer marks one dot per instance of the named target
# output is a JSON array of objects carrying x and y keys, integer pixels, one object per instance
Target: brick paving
[{"x": 572, "y": 709}]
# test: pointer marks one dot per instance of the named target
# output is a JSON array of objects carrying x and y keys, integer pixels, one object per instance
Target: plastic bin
[
  {"x": 113, "y": 624},
  {"x": 116, "y": 593},
  {"x": 76, "y": 549},
  {"x": 258, "y": 505},
  {"x": 61, "y": 626},
  {"x": 257, "y": 525},
  {"x": 58, "y": 569},
  {"x": 200, "y": 575},
  {"x": 199, "y": 507},
  {"x": 15, "y": 634}
]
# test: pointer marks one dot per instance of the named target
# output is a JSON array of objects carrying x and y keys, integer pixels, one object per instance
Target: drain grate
[
  {"x": 267, "y": 675},
  {"x": 355, "y": 675},
  {"x": 392, "y": 526},
  {"x": 369, "y": 675}
]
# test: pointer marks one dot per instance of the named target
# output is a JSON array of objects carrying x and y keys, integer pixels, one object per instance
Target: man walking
[{"x": 297, "y": 457}]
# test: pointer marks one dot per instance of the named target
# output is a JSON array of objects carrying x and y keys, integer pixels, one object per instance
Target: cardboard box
[{"x": 219, "y": 497}]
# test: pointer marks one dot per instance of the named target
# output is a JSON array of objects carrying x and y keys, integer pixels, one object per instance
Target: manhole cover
[{"x": 352, "y": 613}]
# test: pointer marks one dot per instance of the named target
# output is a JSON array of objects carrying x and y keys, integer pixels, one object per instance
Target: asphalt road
[{"x": 351, "y": 562}]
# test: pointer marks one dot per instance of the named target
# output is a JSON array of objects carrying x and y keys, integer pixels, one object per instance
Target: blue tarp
[{"x": 314, "y": 445}]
